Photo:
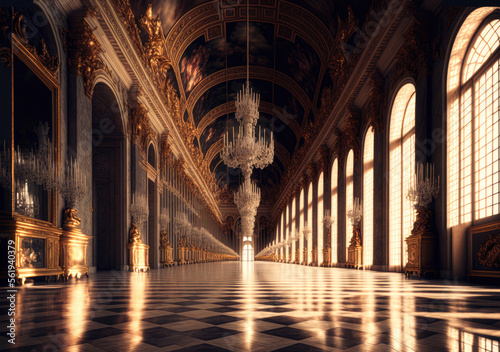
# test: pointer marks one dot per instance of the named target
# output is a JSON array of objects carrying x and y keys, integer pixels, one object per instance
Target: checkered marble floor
[{"x": 257, "y": 306}]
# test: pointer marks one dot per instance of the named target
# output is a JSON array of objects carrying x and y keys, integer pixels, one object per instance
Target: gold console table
[{"x": 36, "y": 247}]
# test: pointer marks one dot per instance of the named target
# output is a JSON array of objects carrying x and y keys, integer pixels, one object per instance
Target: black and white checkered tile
[{"x": 254, "y": 307}]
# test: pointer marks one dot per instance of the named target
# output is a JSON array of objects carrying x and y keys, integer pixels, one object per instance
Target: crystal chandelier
[
  {"x": 247, "y": 200},
  {"x": 246, "y": 150}
]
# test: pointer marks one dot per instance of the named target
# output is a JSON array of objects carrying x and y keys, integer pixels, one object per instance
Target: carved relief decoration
[
  {"x": 84, "y": 54},
  {"x": 351, "y": 132},
  {"x": 166, "y": 157},
  {"x": 489, "y": 252},
  {"x": 414, "y": 56},
  {"x": 375, "y": 108},
  {"x": 139, "y": 127},
  {"x": 41, "y": 54}
]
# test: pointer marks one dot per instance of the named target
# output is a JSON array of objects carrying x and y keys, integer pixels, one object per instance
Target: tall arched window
[
  {"x": 349, "y": 195},
  {"x": 368, "y": 155},
  {"x": 335, "y": 171},
  {"x": 301, "y": 226},
  {"x": 310, "y": 220},
  {"x": 319, "y": 217},
  {"x": 402, "y": 173},
  {"x": 473, "y": 120},
  {"x": 292, "y": 229},
  {"x": 283, "y": 227},
  {"x": 247, "y": 249},
  {"x": 287, "y": 232}
]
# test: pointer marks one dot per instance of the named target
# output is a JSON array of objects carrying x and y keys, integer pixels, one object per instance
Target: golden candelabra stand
[
  {"x": 138, "y": 252},
  {"x": 166, "y": 251},
  {"x": 73, "y": 246},
  {"x": 422, "y": 243},
  {"x": 355, "y": 250},
  {"x": 327, "y": 250}
]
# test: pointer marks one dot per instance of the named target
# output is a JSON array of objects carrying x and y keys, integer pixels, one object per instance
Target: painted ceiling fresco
[{"x": 288, "y": 57}]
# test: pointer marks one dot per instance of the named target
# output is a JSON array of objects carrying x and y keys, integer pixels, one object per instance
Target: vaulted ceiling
[{"x": 290, "y": 46}]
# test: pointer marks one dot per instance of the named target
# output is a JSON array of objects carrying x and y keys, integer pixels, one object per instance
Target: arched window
[
  {"x": 319, "y": 217},
  {"x": 310, "y": 221},
  {"x": 292, "y": 229},
  {"x": 335, "y": 171},
  {"x": 301, "y": 225},
  {"x": 282, "y": 233},
  {"x": 349, "y": 195},
  {"x": 402, "y": 173},
  {"x": 473, "y": 120},
  {"x": 287, "y": 232},
  {"x": 151, "y": 155},
  {"x": 368, "y": 155}
]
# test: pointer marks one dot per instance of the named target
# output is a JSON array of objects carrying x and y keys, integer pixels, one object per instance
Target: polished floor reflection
[{"x": 255, "y": 307}]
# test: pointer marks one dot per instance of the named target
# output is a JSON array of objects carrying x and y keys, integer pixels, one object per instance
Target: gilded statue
[
  {"x": 134, "y": 236},
  {"x": 70, "y": 219},
  {"x": 164, "y": 242}
]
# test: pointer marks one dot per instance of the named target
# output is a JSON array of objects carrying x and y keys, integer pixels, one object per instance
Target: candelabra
[
  {"x": 164, "y": 221},
  {"x": 307, "y": 233},
  {"x": 356, "y": 213},
  {"x": 328, "y": 219},
  {"x": 354, "y": 251},
  {"x": 72, "y": 187},
  {"x": 425, "y": 187},
  {"x": 421, "y": 244}
]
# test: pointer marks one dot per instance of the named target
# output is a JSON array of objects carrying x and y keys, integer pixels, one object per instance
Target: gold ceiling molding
[
  {"x": 308, "y": 26},
  {"x": 214, "y": 150},
  {"x": 256, "y": 72},
  {"x": 195, "y": 21},
  {"x": 214, "y": 114},
  {"x": 203, "y": 18},
  {"x": 41, "y": 55}
]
